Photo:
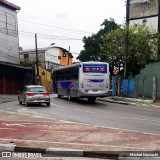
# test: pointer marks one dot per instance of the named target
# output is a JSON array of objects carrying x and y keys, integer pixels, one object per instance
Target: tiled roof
[{"x": 9, "y": 4}]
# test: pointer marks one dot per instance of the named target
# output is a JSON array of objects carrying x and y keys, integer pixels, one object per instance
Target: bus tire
[
  {"x": 91, "y": 99},
  {"x": 59, "y": 96},
  {"x": 69, "y": 96}
]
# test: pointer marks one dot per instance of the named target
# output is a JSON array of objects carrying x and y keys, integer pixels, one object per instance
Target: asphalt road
[{"x": 101, "y": 113}]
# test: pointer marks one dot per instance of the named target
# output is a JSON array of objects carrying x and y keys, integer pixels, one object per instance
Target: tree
[
  {"x": 142, "y": 48},
  {"x": 92, "y": 43}
]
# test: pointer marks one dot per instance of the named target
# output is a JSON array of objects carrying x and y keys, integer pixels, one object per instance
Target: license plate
[{"x": 95, "y": 90}]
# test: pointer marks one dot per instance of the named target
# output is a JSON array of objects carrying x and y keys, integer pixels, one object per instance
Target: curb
[
  {"x": 128, "y": 103},
  {"x": 113, "y": 101},
  {"x": 62, "y": 152},
  {"x": 135, "y": 100},
  {"x": 7, "y": 101}
]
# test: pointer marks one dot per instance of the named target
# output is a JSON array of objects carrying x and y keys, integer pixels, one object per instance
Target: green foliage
[
  {"x": 92, "y": 43},
  {"x": 142, "y": 48}
]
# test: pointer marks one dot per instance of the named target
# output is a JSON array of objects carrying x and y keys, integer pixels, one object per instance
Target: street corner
[
  {"x": 41, "y": 133},
  {"x": 75, "y": 136}
]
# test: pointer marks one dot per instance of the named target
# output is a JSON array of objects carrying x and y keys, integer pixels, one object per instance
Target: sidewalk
[
  {"x": 27, "y": 133},
  {"x": 130, "y": 101},
  {"x": 7, "y": 98}
]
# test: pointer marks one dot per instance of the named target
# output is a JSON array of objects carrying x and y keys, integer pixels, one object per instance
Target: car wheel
[
  {"x": 25, "y": 102},
  {"x": 48, "y": 104}
]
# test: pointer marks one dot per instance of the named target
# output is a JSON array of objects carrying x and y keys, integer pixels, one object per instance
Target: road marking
[
  {"x": 82, "y": 110},
  {"x": 30, "y": 115},
  {"x": 150, "y": 120},
  {"x": 73, "y": 144},
  {"x": 14, "y": 124},
  {"x": 54, "y": 104},
  {"x": 50, "y": 131},
  {"x": 8, "y": 128}
]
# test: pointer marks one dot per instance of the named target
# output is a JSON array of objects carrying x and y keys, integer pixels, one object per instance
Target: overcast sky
[{"x": 64, "y": 22}]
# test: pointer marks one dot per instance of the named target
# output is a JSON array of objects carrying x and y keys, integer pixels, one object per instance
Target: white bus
[{"x": 82, "y": 80}]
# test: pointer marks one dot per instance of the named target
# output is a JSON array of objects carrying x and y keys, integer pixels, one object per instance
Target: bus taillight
[{"x": 81, "y": 85}]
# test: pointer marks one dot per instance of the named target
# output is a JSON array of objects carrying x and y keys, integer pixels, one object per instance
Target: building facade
[
  {"x": 9, "y": 41},
  {"x": 48, "y": 58},
  {"x": 12, "y": 76},
  {"x": 145, "y": 12}
]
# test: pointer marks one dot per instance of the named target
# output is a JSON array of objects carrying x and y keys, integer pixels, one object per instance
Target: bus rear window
[{"x": 94, "y": 68}]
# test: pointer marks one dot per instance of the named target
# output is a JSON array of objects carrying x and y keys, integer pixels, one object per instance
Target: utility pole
[
  {"x": 158, "y": 28},
  {"x": 127, "y": 34},
  {"x": 36, "y": 56}
]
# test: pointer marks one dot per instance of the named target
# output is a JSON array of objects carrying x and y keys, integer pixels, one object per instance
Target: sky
[{"x": 64, "y": 22}]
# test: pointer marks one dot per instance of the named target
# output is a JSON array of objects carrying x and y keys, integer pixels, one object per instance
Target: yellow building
[{"x": 45, "y": 78}]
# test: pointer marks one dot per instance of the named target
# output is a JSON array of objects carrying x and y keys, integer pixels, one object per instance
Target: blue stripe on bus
[
  {"x": 66, "y": 85},
  {"x": 96, "y": 80}
]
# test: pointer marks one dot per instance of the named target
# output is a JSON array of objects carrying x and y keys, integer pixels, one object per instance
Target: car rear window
[{"x": 36, "y": 89}]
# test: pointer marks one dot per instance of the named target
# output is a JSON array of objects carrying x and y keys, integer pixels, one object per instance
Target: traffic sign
[{"x": 115, "y": 71}]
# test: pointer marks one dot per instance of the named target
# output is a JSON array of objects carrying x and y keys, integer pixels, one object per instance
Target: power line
[
  {"x": 45, "y": 28},
  {"x": 55, "y": 27},
  {"x": 49, "y": 36}
]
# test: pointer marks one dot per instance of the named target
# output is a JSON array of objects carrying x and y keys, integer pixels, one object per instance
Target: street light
[
  {"x": 50, "y": 46},
  {"x": 46, "y": 51}
]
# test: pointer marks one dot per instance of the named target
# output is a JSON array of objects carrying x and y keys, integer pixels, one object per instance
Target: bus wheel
[
  {"x": 69, "y": 96},
  {"x": 59, "y": 96},
  {"x": 91, "y": 99}
]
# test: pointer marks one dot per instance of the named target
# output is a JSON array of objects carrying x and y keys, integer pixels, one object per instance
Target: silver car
[{"x": 34, "y": 94}]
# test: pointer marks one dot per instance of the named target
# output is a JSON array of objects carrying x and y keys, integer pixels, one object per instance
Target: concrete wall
[
  {"x": 138, "y": 8},
  {"x": 145, "y": 79},
  {"x": 9, "y": 41}
]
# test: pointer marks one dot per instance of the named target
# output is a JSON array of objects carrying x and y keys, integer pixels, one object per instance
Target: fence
[{"x": 140, "y": 87}]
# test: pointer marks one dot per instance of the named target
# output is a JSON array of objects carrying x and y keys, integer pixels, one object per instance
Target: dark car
[{"x": 34, "y": 94}]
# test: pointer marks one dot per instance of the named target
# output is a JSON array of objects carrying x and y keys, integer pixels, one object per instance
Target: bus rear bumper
[{"x": 85, "y": 95}]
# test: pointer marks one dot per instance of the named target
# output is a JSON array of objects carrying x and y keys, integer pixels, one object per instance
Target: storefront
[{"x": 14, "y": 77}]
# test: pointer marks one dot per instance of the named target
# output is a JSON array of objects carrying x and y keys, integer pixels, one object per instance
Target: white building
[
  {"x": 9, "y": 41},
  {"x": 48, "y": 58}
]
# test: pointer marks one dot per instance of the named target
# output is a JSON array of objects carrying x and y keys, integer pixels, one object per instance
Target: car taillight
[
  {"x": 30, "y": 94},
  {"x": 46, "y": 94}
]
